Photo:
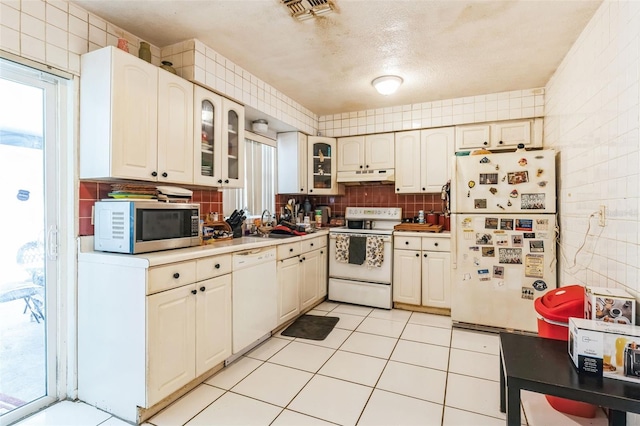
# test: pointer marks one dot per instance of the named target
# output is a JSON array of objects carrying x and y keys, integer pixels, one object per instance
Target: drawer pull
[
  {"x": 217, "y": 266},
  {"x": 300, "y": 259},
  {"x": 290, "y": 250},
  {"x": 406, "y": 242},
  {"x": 436, "y": 244},
  {"x": 194, "y": 291},
  {"x": 203, "y": 287},
  {"x": 417, "y": 255},
  {"x": 425, "y": 255},
  {"x": 311, "y": 244},
  {"x": 176, "y": 275}
]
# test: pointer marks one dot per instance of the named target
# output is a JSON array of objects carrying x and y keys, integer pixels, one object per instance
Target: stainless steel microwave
[{"x": 143, "y": 226}]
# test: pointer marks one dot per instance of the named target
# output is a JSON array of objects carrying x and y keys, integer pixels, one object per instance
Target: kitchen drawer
[
  {"x": 213, "y": 266},
  {"x": 436, "y": 244},
  {"x": 171, "y": 276},
  {"x": 406, "y": 243},
  {"x": 313, "y": 244},
  {"x": 285, "y": 251}
]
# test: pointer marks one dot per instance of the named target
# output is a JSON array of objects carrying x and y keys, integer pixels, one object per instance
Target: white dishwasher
[{"x": 254, "y": 295}]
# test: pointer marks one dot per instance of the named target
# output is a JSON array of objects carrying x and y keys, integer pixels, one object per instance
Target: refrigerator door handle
[{"x": 454, "y": 241}]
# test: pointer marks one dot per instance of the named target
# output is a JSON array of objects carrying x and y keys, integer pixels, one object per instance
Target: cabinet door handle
[
  {"x": 300, "y": 259},
  {"x": 304, "y": 258},
  {"x": 164, "y": 174},
  {"x": 486, "y": 143},
  {"x": 219, "y": 180},
  {"x": 406, "y": 242},
  {"x": 154, "y": 174},
  {"x": 397, "y": 189},
  {"x": 321, "y": 251},
  {"x": 301, "y": 189},
  {"x": 290, "y": 250},
  {"x": 226, "y": 181},
  {"x": 417, "y": 254},
  {"x": 435, "y": 244},
  {"x": 311, "y": 244},
  {"x": 194, "y": 291},
  {"x": 425, "y": 255},
  {"x": 217, "y": 266},
  {"x": 367, "y": 166},
  {"x": 311, "y": 190},
  {"x": 424, "y": 189},
  {"x": 361, "y": 166},
  {"x": 176, "y": 275},
  {"x": 203, "y": 287},
  {"x": 500, "y": 142}
]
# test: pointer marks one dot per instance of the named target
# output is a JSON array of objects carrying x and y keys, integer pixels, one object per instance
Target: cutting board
[{"x": 418, "y": 227}]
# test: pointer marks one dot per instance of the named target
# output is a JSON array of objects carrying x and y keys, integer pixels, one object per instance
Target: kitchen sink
[{"x": 272, "y": 235}]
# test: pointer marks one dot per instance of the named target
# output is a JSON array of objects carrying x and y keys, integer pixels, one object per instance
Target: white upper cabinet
[
  {"x": 372, "y": 152},
  {"x": 232, "y": 144},
  {"x": 321, "y": 170},
  {"x": 207, "y": 124},
  {"x": 500, "y": 135},
  {"x": 175, "y": 129},
  {"x": 292, "y": 163},
  {"x": 134, "y": 120},
  {"x": 423, "y": 159}
]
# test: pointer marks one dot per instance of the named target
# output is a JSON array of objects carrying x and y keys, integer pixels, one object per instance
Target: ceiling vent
[{"x": 307, "y": 9}]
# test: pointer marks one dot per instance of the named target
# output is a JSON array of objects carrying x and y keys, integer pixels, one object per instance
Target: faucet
[{"x": 262, "y": 223}]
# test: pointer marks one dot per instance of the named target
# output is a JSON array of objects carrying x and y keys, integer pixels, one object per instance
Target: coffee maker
[{"x": 632, "y": 360}]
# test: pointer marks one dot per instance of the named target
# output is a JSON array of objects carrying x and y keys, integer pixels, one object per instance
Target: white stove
[{"x": 357, "y": 277}]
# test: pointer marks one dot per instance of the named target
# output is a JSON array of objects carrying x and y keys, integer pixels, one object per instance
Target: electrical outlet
[{"x": 601, "y": 215}]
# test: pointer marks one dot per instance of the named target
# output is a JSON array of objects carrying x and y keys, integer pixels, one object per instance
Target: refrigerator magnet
[
  {"x": 480, "y": 203},
  {"x": 474, "y": 248},
  {"x": 467, "y": 222},
  {"x": 476, "y": 261},
  {"x": 539, "y": 285},
  {"x": 511, "y": 256},
  {"x": 542, "y": 184},
  {"x": 529, "y": 235},
  {"x": 493, "y": 190},
  {"x": 488, "y": 179},
  {"x": 514, "y": 178},
  {"x": 484, "y": 239},
  {"x": 500, "y": 206},
  {"x": 542, "y": 235},
  {"x": 471, "y": 183},
  {"x": 516, "y": 240},
  {"x": 514, "y": 193},
  {"x": 506, "y": 224},
  {"x": 509, "y": 203},
  {"x": 491, "y": 223},
  {"x": 488, "y": 251},
  {"x": 542, "y": 224},
  {"x": 468, "y": 234},
  {"x": 536, "y": 246},
  {"x": 534, "y": 266},
  {"x": 498, "y": 272},
  {"x": 522, "y": 162},
  {"x": 527, "y": 293},
  {"x": 524, "y": 225},
  {"x": 466, "y": 277},
  {"x": 532, "y": 201},
  {"x": 539, "y": 172},
  {"x": 502, "y": 240},
  {"x": 484, "y": 160}
]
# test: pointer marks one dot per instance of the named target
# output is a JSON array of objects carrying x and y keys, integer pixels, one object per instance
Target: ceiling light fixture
[
  {"x": 387, "y": 84},
  {"x": 303, "y": 10}
]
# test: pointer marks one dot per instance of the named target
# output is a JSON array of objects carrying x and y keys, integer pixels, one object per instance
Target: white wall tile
[
  {"x": 32, "y": 27},
  {"x": 56, "y": 36},
  {"x": 32, "y": 48},
  {"x": 56, "y": 17},
  {"x": 9, "y": 39},
  {"x": 97, "y": 36},
  {"x": 35, "y": 8},
  {"x": 78, "y": 27},
  {"x": 56, "y": 56},
  {"x": 9, "y": 17}
]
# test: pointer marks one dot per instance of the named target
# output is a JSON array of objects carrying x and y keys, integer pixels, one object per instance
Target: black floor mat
[{"x": 311, "y": 327}]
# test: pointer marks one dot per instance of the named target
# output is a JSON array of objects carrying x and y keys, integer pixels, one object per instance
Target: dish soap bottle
[{"x": 307, "y": 206}]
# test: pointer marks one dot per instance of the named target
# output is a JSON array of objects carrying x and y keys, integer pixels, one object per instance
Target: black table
[{"x": 543, "y": 365}]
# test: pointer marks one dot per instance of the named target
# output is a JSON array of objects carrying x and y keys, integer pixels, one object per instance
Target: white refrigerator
[{"x": 503, "y": 228}]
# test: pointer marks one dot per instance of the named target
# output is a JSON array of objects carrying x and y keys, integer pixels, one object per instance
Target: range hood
[{"x": 354, "y": 177}]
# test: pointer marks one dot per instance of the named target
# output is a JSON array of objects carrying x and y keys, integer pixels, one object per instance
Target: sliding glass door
[{"x": 29, "y": 139}]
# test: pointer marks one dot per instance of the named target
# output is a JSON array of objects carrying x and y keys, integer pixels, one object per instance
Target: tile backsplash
[
  {"x": 370, "y": 196},
  {"x": 210, "y": 200}
]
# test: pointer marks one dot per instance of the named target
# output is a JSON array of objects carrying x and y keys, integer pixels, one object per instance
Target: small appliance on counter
[{"x": 235, "y": 221}]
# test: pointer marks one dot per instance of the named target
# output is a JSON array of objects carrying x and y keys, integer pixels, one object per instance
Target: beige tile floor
[{"x": 377, "y": 367}]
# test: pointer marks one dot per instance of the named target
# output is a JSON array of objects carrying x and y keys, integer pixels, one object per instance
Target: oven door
[{"x": 363, "y": 272}]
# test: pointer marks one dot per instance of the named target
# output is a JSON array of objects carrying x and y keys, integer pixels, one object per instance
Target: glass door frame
[{"x": 60, "y": 225}]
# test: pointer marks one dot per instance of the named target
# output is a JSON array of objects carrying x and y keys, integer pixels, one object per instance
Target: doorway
[{"x": 30, "y": 132}]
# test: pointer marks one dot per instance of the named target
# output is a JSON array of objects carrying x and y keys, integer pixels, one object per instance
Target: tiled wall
[
  {"x": 592, "y": 119},
  {"x": 197, "y": 62},
  {"x": 90, "y": 192},
  {"x": 370, "y": 196},
  {"x": 57, "y": 32},
  {"x": 473, "y": 109}
]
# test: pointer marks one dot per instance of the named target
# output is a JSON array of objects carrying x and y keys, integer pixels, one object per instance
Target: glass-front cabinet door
[
  {"x": 207, "y": 149},
  {"x": 233, "y": 145},
  {"x": 322, "y": 169}
]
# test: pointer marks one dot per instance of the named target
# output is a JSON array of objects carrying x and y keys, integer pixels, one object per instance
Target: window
[{"x": 259, "y": 193}]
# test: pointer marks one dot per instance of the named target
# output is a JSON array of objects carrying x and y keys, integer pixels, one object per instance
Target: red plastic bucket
[{"x": 554, "y": 310}]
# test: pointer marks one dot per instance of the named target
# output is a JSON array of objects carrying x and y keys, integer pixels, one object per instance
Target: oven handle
[{"x": 385, "y": 238}]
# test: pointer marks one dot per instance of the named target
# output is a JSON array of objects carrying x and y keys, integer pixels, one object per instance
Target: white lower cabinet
[
  {"x": 422, "y": 271},
  {"x": 302, "y": 276},
  {"x": 145, "y": 332}
]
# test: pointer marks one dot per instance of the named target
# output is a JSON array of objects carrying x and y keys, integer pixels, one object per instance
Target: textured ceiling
[{"x": 442, "y": 49}]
